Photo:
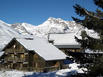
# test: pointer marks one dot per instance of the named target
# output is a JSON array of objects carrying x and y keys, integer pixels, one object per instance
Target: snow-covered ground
[{"x": 73, "y": 69}]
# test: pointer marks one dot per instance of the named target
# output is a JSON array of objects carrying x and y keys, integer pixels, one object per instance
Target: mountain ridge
[{"x": 51, "y": 25}]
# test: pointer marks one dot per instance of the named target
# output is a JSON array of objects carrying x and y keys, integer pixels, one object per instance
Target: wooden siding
[
  {"x": 17, "y": 57},
  {"x": 67, "y": 50}
]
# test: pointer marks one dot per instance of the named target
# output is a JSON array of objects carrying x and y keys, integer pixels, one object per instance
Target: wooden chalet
[
  {"x": 31, "y": 54},
  {"x": 65, "y": 42}
]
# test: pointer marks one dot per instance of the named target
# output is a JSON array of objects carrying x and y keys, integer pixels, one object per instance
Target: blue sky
[{"x": 37, "y": 11}]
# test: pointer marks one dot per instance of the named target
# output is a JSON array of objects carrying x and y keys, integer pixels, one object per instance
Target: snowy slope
[{"x": 6, "y": 33}]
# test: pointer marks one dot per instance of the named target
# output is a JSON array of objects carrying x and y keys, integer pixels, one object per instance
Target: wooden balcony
[
  {"x": 15, "y": 60},
  {"x": 8, "y": 51}
]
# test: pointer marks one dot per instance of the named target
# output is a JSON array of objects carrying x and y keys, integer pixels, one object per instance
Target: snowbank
[{"x": 72, "y": 70}]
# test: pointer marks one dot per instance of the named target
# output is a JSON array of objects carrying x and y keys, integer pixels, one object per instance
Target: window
[
  {"x": 14, "y": 46},
  {"x": 22, "y": 55},
  {"x": 12, "y": 55},
  {"x": 29, "y": 38}
]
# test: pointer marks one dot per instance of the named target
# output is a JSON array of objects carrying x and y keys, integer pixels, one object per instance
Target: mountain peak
[{"x": 54, "y": 19}]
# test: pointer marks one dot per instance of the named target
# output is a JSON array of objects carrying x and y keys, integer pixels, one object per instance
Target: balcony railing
[
  {"x": 14, "y": 51},
  {"x": 16, "y": 60}
]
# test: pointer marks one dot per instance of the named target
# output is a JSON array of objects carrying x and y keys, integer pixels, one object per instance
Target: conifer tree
[{"x": 92, "y": 20}]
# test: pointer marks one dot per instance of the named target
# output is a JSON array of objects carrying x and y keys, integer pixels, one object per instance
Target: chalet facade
[
  {"x": 65, "y": 42},
  {"x": 33, "y": 54}
]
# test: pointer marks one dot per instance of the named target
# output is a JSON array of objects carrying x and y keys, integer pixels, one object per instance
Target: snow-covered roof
[
  {"x": 1, "y": 53},
  {"x": 44, "y": 49},
  {"x": 88, "y": 51},
  {"x": 64, "y": 40},
  {"x": 68, "y": 46}
]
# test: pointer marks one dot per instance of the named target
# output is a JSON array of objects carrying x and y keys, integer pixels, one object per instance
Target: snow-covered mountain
[{"x": 51, "y": 25}]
